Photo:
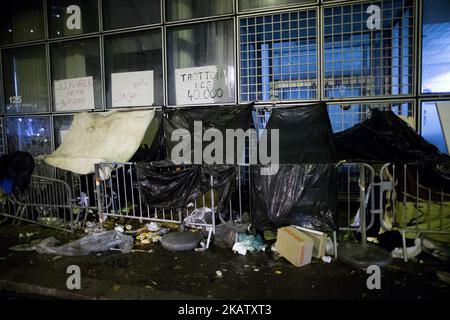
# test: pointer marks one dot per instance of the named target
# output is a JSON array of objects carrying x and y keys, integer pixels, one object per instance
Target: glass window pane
[
  {"x": 129, "y": 13},
  {"x": 435, "y": 124},
  {"x": 29, "y": 134},
  {"x": 188, "y": 9},
  {"x": 344, "y": 116},
  {"x": 22, "y": 20},
  {"x": 200, "y": 63},
  {"x": 25, "y": 79},
  {"x": 72, "y": 17},
  {"x": 373, "y": 55},
  {"x": 280, "y": 62},
  {"x": 436, "y": 46},
  {"x": 76, "y": 75},
  {"x": 61, "y": 125},
  {"x": 245, "y": 5},
  {"x": 134, "y": 69}
]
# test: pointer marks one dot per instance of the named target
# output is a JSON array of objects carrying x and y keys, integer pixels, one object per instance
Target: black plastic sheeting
[
  {"x": 166, "y": 185},
  {"x": 384, "y": 137},
  {"x": 304, "y": 190},
  {"x": 299, "y": 194},
  {"x": 305, "y": 134},
  {"x": 217, "y": 117},
  {"x": 156, "y": 152},
  {"x": 15, "y": 171}
]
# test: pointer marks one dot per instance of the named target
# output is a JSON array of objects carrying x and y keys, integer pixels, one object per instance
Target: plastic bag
[
  {"x": 94, "y": 242},
  {"x": 251, "y": 242}
]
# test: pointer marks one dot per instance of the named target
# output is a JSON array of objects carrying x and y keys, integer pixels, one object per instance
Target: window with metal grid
[
  {"x": 278, "y": 56},
  {"x": 368, "y": 49},
  {"x": 344, "y": 116}
]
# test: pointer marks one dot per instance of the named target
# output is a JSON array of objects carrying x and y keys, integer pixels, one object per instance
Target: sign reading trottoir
[
  {"x": 74, "y": 94},
  {"x": 201, "y": 85}
]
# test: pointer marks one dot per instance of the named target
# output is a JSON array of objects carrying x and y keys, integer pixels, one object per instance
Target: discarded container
[
  {"x": 250, "y": 243},
  {"x": 320, "y": 241},
  {"x": 119, "y": 228},
  {"x": 294, "y": 245},
  {"x": 329, "y": 251},
  {"x": 411, "y": 252},
  {"x": 179, "y": 241},
  {"x": 326, "y": 259}
]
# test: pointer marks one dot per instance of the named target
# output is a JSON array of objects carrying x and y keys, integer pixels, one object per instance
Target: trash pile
[
  {"x": 296, "y": 244},
  {"x": 151, "y": 233}
]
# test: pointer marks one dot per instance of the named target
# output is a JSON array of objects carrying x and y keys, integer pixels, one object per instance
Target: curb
[{"x": 26, "y": 288}]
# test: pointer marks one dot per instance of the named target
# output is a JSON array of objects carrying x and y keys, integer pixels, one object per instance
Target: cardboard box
[
  {"x": 294, "y": 245},
  {"x": 320, "y": 241}
]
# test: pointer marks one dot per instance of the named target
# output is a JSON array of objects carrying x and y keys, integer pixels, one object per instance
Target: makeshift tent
[
  {"x": 384, "y": 137},
  {"x": 164, "y": 184},
  {"x": 303, "y": 190},
  {"x": 192, "y": 123},
  {"x": 305, "y": 134},
  {"x": 169, "y": 185},
  {"x": 103, "y": 137},
  {"x": 427, "y": 198}
]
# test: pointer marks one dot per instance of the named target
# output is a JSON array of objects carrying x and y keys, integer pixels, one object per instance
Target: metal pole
[
  {"x": 99, "y": 197},
  {"x": 213, "y": 218},
  {"x": 362, "y": 204}
]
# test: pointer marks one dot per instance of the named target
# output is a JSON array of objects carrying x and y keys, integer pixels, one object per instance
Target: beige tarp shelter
[{"x": 97, "y": 137}]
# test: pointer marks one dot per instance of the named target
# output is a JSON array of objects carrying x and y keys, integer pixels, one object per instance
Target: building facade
[{"x": 59, "y": 57}]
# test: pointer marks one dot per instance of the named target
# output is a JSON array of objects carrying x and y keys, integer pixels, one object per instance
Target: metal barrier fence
[
  {"x": 63, "y": 200},
  {"x": 349, "y": 193},
  {"x": 119, "y": 195},
  {"x": 47, "y": 201},
  {"x": 413, "y": 205},
  {"x": 55, "y": 198},
  {"x": 423, "y": 209}
]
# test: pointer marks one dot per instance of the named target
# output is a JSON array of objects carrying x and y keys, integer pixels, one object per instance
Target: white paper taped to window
[
  {"x": 132, "y": 89},
  {"x": 74, "y": 94},
  {"x": 201, "y": 85}
]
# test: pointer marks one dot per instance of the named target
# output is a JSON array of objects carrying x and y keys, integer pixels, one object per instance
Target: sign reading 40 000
[
  {"x": 74, "y": 94},
  {"x": 201, "y": 85}
]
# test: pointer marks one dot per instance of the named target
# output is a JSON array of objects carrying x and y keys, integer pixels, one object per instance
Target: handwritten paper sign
[
  {"x": 132, "y": 89},
  {"x": 201, "y": 85},
  {"x": 74, "y": 94}
]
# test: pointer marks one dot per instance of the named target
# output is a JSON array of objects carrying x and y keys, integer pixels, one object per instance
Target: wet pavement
[{"x": 161, "y": 274}]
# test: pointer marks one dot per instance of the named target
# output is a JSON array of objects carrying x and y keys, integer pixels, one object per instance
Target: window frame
[
  {"x": 163, "y": 62},
  {"x": 101, "y": 75},
  {"x": 51, "y": 129},
  {"x": 273, "y": 8},
  {"x": 318, "y": 56},
  {"x": 199, "y": 19},
  {"x": 413, "y": 66},
  {"x": 166, "y": 59}
]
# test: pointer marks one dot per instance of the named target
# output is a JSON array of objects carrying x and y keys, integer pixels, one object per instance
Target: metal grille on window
[
  {"x": 368, "y": 49},
  {"x": 278, "y": 56},
  {"x": 344, "y": 116}
]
